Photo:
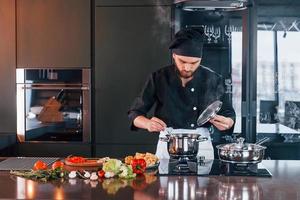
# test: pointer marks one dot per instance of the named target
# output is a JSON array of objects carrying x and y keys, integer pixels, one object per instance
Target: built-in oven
[{"x": 53, "y": 105}]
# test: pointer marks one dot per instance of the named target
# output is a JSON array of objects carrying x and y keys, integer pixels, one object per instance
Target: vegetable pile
[
  {"x": 115, "y": 167},
  {"x": 40, "y": 172},
  {"x": 110, "y": 168}
]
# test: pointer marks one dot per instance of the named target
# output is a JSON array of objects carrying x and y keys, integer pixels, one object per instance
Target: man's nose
[{"x": 187, "y": 67}]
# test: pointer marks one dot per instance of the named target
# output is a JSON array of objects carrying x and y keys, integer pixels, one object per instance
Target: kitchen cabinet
[
  {"x": 7, "y": 67},
  {"x": 130, "y": 43},
  {"x": 53, "y": 33}
]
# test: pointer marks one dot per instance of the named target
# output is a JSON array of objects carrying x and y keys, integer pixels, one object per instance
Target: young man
[{"x": 181, "y": 92}]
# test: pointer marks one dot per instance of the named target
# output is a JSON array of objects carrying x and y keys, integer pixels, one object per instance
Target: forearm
[{"x": 141, "y": 122}]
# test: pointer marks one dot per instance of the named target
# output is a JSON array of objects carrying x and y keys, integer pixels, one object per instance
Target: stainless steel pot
[
  {"x": 241, "y": 152},
  {"x": 183, "y": 145}
]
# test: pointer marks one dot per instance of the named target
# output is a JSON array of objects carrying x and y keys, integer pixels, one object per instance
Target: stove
[{"x": 200, "y": 167}]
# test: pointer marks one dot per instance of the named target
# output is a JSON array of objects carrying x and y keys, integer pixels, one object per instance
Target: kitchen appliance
[
  {"x": 242, "y": 168},
  {"x": 53, "y": 105},
  {"x": 202, "y": 167}
]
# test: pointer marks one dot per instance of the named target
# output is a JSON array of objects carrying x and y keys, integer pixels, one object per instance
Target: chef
[{"x": 180, "y": 92}]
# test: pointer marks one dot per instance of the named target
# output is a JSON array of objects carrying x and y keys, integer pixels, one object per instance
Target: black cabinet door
[
  {"x": 131, "y": 42},
  {"x": 53, "y": 33},
  {"x": 7, "y": 67}
]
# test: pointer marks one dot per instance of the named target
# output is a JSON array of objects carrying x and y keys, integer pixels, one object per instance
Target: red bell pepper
[{"x": 138, "y": 165}]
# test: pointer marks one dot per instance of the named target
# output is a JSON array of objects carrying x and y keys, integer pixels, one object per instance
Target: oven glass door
[
  {"x": 53, "y": 114},
  {"x": 53, "y": 109}
]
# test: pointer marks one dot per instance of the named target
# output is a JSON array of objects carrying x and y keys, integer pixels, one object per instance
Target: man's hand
[
  {"x": 155, "y": 125},
  {"x": 152, "y": 125},
  {"x": 222, "y": 123}
]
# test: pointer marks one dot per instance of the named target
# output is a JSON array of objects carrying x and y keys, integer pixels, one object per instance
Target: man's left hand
[{"x": 222, "y": 123}]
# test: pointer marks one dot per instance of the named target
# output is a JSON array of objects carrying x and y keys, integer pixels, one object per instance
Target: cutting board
[{"x": 89, "y": 163}]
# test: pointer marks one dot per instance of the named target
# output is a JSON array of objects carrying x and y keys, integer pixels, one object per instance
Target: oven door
[{"x": 53, "y": 112}]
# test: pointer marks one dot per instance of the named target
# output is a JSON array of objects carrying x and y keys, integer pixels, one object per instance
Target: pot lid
[
  {"x": 209, "y": 112},
  {"x": 240, "y": 145},
  {"x": 199, "y": 131},
  {"x": 171, "y": 131}
]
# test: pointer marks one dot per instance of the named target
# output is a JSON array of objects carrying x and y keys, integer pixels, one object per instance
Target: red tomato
[
  {"x": 57, "y": 164},
  {"x": 76, "y": 159},
  {"x": 101, "y": 173},
  {"x": 39, "y": 165}
]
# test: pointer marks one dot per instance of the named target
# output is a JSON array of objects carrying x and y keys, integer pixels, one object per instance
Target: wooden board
[{"x": 88, "y": 163}]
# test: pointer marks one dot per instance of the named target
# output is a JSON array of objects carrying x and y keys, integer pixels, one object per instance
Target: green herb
[{"x": 42, "y": 175}]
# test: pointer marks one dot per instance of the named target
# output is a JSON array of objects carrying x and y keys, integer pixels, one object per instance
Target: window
[{"x": 278, "y": 84}]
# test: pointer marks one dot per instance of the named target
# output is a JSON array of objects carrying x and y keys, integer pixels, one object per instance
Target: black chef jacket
[{"x": 178, "y": 106}]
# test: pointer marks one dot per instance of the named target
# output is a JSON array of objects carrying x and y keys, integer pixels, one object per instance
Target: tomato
[
  {"x": 101, "y": 173},
  {"x": 39, "y": 165},
  {"x": 76, "y": 159},
  {"x": 58, "y": 164}
]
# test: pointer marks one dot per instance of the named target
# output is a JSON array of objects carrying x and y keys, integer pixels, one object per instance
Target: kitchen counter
[{"x": 285, "y": 184}]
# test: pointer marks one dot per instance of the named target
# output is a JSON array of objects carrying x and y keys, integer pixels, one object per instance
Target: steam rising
[{"x": 163, "y": 19}]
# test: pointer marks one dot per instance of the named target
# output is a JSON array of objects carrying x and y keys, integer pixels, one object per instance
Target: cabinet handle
[{"x": 56, "y": 88}]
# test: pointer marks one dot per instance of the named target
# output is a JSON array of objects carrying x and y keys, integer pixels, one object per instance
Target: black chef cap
[{"x": 188, "y": 42}]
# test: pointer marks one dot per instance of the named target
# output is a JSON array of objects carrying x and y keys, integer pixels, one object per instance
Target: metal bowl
[{"x": 183, "y": 145}]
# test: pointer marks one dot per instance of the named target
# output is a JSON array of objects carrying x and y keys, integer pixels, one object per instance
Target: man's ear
[{"x": 173, "y": 55}]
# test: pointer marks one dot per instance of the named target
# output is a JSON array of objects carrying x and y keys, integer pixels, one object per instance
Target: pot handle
[
  {"x": 164, "y": 139},
  {"x": 201, "y": 139},
  {"x": 265, "y": 139}
]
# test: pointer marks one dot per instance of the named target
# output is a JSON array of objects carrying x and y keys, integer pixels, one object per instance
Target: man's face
[{"x": 186, "y": 65}]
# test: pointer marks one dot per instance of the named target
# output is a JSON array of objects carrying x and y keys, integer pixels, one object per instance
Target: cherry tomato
[
  {"x": 39, "y": 165},
  {"x": 57, "y": 164},
  {"x": 101, "y": 173}
]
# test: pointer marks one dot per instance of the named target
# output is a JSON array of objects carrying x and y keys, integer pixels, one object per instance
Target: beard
[{"x": 185, "y": 74}]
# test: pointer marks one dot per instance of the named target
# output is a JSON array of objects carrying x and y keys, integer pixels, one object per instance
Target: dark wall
[
  {"x": 7, "y": 67},
  {"x": 130, "y": 43}
]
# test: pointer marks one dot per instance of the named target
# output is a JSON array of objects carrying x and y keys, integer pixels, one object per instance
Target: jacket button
[
  {"x": 194, "y": 108},
  {"x": 192, "y": 89},
  {"x": 192, "y": 125}
]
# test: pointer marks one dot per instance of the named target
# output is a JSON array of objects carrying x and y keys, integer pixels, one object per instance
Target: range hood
[{"x": 224, "y": 5}]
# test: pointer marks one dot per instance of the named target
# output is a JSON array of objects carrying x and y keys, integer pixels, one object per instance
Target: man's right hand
[
  {"x": 152, "y": 125},
  {"x": 155, "y": 125}
]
